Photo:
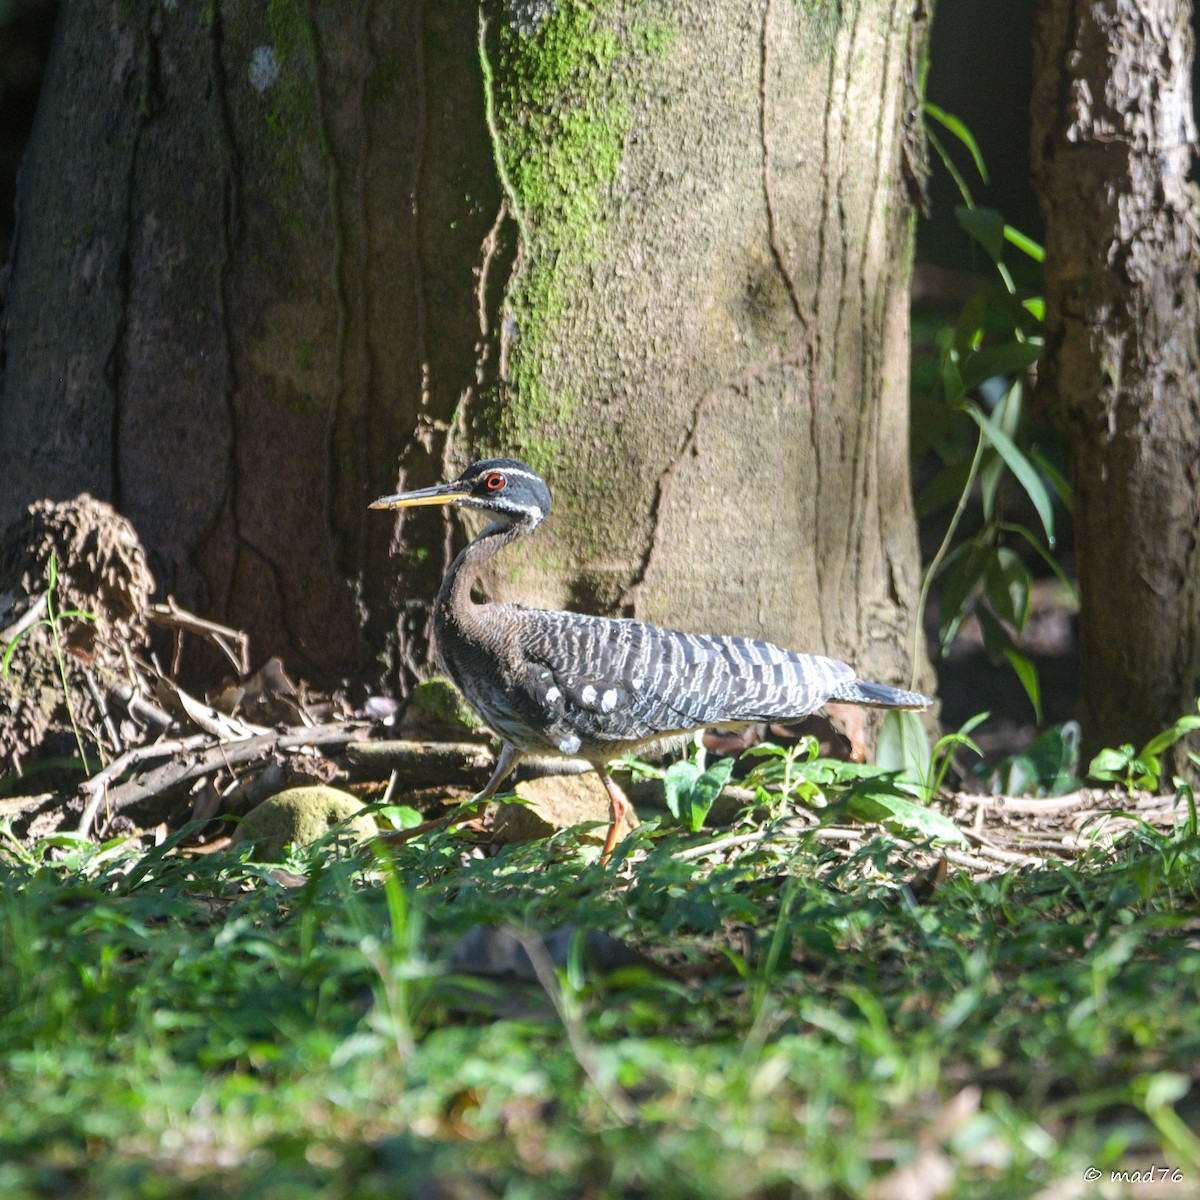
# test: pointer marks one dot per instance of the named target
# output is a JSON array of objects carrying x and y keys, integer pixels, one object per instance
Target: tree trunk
[
  {"x": 1113, "y": 144},
  {"x": 660, "y": 250}
]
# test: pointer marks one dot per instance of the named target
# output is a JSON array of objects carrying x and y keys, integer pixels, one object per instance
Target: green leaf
[
  {"x": 1145, "y": 771},
  {"x": 1028, "y": 675},
  {"x": 67, "y": 841},
  {"x": 1036, "y": 307},
  {"x": 1005, "y": 359},
  {"x": 1044, "y": 554},
  {"x": 764, "y": 750},
  {"x": 902, "y": 815},
  {"x": 690, "y": 792},
  {"x": 952, "y": 383},
  {"x": 996, "y": 639},
  {"x": 1111, "y": 766},
  {"x": 972, "y": 723},
  {"x": 1007, "y": 413},
  {"x": 954, "y": 125},
  {"x": 990, "y": 476},
  {"x": 401, "y": 816},
  {"x": 678, "y": 781},
  {"x": 705, "y": 791},
  {"x": 968, "y": 329},
  {"x": 11, "y": 648},
  {"x": 1024, "y": 243},
  {"x": 1020, "y": 466},
  {"x": 1058, "y": 481},
  {"x": 959, "y": 584},
  {"x": 1047, "y": 767},
  {"x": 903, "y": 747},
  {"x": 75, "y": 612},
  {"x": 948, "y": 163},
  {"x": 986, "y": 226},
  {"x": 1009, "y": 587},
  {"x": 1168, "y": 737},
  {"x": 944, "y": 747}
]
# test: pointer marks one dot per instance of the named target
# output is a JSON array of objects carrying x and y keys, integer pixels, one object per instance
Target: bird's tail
[{"x": 877, "y": 695}]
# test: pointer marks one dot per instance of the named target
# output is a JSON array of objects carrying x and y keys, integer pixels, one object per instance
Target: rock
[
  {"x": 298, "y": 817},
  {"x": 437, "y": 708},
  {"x": 556, "y": 802}
]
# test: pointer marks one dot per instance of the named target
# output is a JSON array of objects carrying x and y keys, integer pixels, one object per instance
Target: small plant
[
  {"x": 971, "y": 414},
  {"x": 872, "y": 792},
  {"x": 1048, "y": 766},
  {"x": 1142, "y": 769},
  {"x": 791, "y": 772},
  {"x": 52, "y": 621},
  {"x": 904, "y": 749},
  {"x": 690, "y": 787}
]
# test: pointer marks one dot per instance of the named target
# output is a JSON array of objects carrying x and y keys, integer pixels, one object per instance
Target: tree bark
[
  {"x": 1113, "y": 144},
  {"x": 658, "y": 249}
]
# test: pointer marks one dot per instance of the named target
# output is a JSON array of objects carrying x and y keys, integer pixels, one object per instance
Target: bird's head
[{"x": 507, "y": 490}]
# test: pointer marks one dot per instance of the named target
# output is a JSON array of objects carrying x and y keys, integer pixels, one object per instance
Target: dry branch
[
  {"x": 171, "y": 616},
  {"x": 175, "y": 776},
  {"x": 26, "y": 620},
  {"x": 462, "y": 763}
]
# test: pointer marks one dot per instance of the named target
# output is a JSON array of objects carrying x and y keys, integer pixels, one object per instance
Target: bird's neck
[{"x": 454, "y": 602}]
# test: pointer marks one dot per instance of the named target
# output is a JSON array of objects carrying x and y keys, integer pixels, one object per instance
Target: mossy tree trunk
[
  {"x": 658, "y": 249},
  {"x": 1114, "y": 144}
]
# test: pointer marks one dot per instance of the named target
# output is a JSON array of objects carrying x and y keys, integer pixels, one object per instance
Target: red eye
[{"x": 495, "y": 481}]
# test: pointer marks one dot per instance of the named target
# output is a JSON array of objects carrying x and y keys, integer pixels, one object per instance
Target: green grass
[{"x": 180, "y": 1027}]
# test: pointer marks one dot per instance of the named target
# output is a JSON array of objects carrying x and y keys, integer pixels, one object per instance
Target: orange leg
[{"x": 618, "y": 806}]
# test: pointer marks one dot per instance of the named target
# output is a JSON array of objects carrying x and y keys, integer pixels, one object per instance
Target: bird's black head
[{"x": 505, "y": 489}]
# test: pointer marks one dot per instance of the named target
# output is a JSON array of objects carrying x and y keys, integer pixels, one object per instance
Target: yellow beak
[{"x": 442, "y": 493}]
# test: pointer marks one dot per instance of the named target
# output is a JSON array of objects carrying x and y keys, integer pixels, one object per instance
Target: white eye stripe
[{"x": 514, "y": 473}]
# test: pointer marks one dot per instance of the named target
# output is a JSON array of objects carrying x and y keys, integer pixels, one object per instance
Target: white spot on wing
[
  {"x": 588, "y": 695},
  {"x": 568, "y": 743},
  {"x": 609, "y": 700},
  {"x": 553, "y": 694}
]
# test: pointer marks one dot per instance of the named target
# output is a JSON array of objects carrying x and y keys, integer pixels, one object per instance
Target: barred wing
[{"x": 612, "y": 680}]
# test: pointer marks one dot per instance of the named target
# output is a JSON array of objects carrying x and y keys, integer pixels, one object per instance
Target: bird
[{"x": 580, "y": 686}]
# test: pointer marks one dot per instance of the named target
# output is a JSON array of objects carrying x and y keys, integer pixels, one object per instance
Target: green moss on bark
[
  {"x": 560, "y": 97},
  {"x": 292, "y": 116}
]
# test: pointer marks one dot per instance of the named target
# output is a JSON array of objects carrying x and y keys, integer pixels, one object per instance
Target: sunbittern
[{"x": 598, "y": 687}]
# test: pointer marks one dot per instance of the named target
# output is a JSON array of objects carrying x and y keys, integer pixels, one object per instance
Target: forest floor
[
  {"x": 796, "y": 1005},
  {"x": 831, "y": 982},
  {"x": 820, "y": 1012}
]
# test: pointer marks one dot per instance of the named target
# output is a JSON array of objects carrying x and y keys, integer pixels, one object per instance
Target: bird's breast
[{"x": 492, "y": 678}]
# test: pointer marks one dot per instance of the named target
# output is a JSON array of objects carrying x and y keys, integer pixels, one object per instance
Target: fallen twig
[
  {"x": 102, "y": 707},
  {"x": 447, "y": 762},
  {"x": 172, "y": 776},
  {"x": 467, "y": 763},
  {"x": 989, "y": 848},
  {"x": 171, "y": 616},
  {"x": 26, "y": 620},
  {"x": 141, "y": 709},
  {"x": 94, "y": 788},
  {"x": 1030, "y": 805}
]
